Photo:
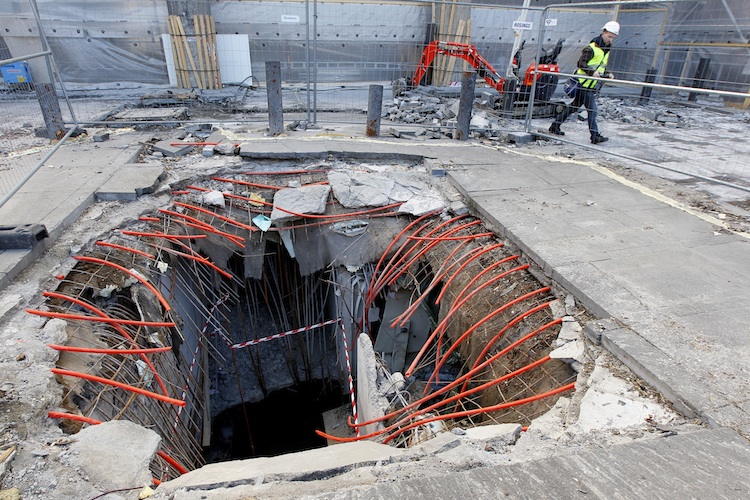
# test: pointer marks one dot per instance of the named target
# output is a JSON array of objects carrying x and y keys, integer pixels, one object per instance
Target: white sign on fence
[
  {"x": 522, "y": 25},
  {"x": 289, "y": 19},
  {"x": 550, "y": 22}
]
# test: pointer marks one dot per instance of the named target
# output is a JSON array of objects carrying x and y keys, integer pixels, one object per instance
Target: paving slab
[
  {"x": 60, "y": 192},
  {"x": 673, "y": 278},
  {"x": 320, "y": 463},
  {"x": 131, "y": 181},
  {"x": 704, "y": 464},
  {"x": 152, "y": 114}
]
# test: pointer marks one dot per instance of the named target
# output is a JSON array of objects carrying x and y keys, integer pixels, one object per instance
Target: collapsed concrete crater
[{"x": 236, "y": 321}]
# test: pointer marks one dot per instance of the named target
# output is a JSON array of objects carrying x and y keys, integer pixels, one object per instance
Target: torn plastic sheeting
[
  {"x": 263, "y": 222},
  {"x": 350, "y": 228}
]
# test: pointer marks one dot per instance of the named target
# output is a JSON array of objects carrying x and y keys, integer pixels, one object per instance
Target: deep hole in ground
[
  {"x": 284, "y": 422},
  {"x": 251, "y": 318}
]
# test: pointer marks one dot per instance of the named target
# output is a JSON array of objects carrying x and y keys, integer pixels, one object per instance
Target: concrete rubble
[
  {"x": 113, "y": 455},
  {"x": 360, "y": 189},
  {"x": 301, "y": 200}
]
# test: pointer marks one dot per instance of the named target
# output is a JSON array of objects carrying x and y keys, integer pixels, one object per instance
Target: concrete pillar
[
  {"x": 465, "y": 104},
  {"x": 273, "y": 91},
  {"x": 374, "y": 110}
]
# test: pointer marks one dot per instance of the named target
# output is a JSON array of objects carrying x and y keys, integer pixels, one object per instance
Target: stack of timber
[{"x": 205, "y": 75}]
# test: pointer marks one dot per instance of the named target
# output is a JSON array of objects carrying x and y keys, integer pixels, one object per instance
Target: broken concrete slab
[
  {"x": 213, "y": 139},
  {"x": 420, "y": 205},
  {"x": 441, "y": 443},
  {"x": 494, "y": 437},
  {"x": 569, "y": 352},
  {"x": 684, "y": 465},
  {"x": 131, "y": 181},
  {"x": 301, "y": 200},
  {"x": 151, "y": 114},
  {"x": 308, "y": 465},
  {"x": 9, "y": 304},
  {"x": 227, "y": 148},
  {"x": 358, "y": 190},
  {"x": 115, "y": 454},
  {"x": 520, "y": 137},
  {"x": 611, "y": 403},
  {"x": 172, "y": 148}
]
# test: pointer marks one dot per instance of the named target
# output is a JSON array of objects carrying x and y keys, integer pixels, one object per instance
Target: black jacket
[{"x": 587, "y": 53}]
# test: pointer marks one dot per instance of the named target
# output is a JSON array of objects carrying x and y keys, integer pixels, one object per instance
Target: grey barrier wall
[{"x": 110, "y": 42}]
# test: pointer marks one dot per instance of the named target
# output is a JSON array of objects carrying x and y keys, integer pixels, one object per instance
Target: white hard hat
[{"x": 612, "y": 27}]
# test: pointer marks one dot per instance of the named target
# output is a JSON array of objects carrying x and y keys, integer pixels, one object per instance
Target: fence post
[
  {"x": 646, "y": 91},
  {"x": 374, "y": 110},
  {"x": 701, "y": 74},
  {"x": 465, "y": 103},
  {"x": 273, "y": 91}
]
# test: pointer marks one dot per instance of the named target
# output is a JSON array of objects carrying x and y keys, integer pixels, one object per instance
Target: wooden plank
[
  {"x": 199, "y": 43},
  {"x": 179, "y": 65},
  {"x": 452, "y": 61},
  {"x": 467, "y": 39},
  {"x": 439, "y": 62},
  {"x": 214, "y": 53},
  {"x": 199, "y": 80},
  {"x": 205, "y": 25}
]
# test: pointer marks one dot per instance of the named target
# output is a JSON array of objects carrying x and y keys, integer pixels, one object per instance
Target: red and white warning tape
[
  {"x": 284, "y": 334},
  {"x": 351, "y": 381}
]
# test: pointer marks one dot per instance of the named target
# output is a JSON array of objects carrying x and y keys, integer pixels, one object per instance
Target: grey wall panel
[{"x": 113, "y": 40}]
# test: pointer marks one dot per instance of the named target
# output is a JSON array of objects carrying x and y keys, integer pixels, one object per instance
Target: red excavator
[{"x": 515, "y": 91}]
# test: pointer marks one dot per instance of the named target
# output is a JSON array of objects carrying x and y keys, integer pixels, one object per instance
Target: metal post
[
  {"x": 465, "y": 103},
  {"x": 374, "y": 110},
  {"x": 430, "y": 35},
  {"x": 315, "y": 61},
  {"x": 646, "y": 91},
  {"x": 701, "y": 73},
  {"x": 509, "y": 96},
  {"x": 273, "y": 91},
  {"x": 532, "y": 90},
  {"x": 44, "y": 86},
  {"x": 307, "y": 55}
]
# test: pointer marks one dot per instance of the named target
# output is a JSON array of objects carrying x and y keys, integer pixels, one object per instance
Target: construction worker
[{"x": 593, "y": 62}]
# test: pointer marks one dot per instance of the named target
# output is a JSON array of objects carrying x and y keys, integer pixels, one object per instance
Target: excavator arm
[{"x": 465, "y": 51}]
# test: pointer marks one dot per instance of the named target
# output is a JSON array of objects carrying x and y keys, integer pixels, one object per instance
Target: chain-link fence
[{"x": 33, "y": 125}]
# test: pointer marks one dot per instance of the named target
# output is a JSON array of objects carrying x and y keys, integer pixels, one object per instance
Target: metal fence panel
[{"x": 28, "y": 88}]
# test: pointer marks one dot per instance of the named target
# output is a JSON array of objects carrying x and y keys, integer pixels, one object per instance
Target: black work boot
[
  {"x": 598, "y": 139},
  {"x": 555, "y": 129}
]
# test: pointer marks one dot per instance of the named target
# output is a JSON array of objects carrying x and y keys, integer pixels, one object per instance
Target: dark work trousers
[{"x": 586, "y": 98}]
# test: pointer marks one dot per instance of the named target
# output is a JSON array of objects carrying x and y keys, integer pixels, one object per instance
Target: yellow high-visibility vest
[{"x": 596, "y": 63}]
